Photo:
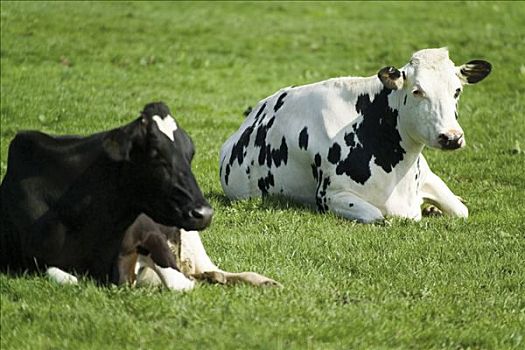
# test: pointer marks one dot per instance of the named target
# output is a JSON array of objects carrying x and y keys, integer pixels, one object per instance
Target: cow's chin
[
  {"x": 194, "y": 225},
  {"x": 448, "y": 148},
  {"x": 179, "y": 221},
  {"x": 438, "y": 146}
]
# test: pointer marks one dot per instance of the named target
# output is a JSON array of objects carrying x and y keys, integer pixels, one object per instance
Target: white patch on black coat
[{"x": 167, "y": 125}]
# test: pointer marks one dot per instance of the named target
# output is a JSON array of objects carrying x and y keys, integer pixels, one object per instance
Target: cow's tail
[{"x": 247, "y": 111}]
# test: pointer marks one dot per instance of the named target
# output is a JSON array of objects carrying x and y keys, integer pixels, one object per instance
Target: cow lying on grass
[
  {"x": 353, "y": 145},
  {"x": 136, "y": 266},
  {"x": 67, "y": 202}
]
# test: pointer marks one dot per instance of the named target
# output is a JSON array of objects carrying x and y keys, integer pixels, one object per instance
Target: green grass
[{"x": 440, "y": 283}]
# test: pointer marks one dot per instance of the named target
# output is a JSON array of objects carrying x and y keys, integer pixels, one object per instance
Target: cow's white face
[{"x": 431, "y": 86}]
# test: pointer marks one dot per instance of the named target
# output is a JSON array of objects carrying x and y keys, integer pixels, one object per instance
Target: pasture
[{"x": 77, "y": 68}]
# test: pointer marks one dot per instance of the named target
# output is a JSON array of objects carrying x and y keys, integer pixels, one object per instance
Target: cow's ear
[
  {"x": 391, "y": 78},
  {"x": 474, "y": 71},
  {"x": 117, "y": 145}
]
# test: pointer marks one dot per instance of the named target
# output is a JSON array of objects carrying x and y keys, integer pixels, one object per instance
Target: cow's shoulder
[
  {"x": 41, "y": 146},
  {"x": 29, "y": 138},
  {"x": 27, "y": 142}
]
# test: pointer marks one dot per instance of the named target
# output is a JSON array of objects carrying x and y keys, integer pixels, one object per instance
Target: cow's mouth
[
  {"x": 451, "y": 142},
  {"x": 195, "y": 220}
]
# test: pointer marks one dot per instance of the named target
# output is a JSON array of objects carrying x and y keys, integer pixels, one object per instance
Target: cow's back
[
  {"x": 274, "y": 151},
  {"x": 35, "y": 186}
]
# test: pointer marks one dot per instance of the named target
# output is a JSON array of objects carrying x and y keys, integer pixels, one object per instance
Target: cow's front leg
[
  {"x": 124, "y": 269},
  {"x": 60, "y": 277},
  {"x": 196, "y": 262},
  {"x": 161, "y": 260},
  {"x": 224, "y": 277},
  {"x": 435, "y": 191},
  {"x": 352, "y": 207}
]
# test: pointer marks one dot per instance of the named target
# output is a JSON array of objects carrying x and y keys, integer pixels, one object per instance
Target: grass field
[{"x": 438, "y": 284}]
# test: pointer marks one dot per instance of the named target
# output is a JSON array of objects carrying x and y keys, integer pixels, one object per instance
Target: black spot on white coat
[
  {"x": 267, "y": 154},
  {"x": 247, "y": 111},
  {"x": 303, "y": 138},
  {"x": 238, "y": 149},
  {"x": 321, "y": 199},
  {"x": 264, "y": 183},
  {"x": 334, "y": 153},
  {"x": 315, "y": 166},
  {"x": 227, "y": 174},
  {"x": 378, "y": 137},
  {"x": 280, "y": 102}
]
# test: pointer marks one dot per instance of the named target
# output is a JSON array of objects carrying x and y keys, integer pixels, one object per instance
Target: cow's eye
[{"x": 153, "y": 154}]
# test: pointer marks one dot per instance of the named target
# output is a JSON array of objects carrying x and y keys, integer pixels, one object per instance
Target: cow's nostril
[
  {"x": 451, "y": 140},
  {"x": 196, "y": 214},
  {"x": 204, "y": 213}
]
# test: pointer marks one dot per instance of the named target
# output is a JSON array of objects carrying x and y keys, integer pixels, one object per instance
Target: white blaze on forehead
[{"x": 167, "y": 125}]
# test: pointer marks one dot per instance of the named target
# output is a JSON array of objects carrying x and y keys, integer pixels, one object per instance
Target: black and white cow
[
  {"x": 66, "y": 202},
  {"x": 353, "y": 145}
]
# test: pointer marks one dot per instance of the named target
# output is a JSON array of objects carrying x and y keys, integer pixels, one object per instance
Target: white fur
[
  {"x": 193, "y": 256},
  {"x": 167, "y": 125},
  {"x": 61, "y": 277},
  {"x": 170, "y": 278}
]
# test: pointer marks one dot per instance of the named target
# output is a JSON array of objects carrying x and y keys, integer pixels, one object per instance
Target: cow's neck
[
  {"x": 412, "y": 148},
  {"x": 100, "y": 186}
]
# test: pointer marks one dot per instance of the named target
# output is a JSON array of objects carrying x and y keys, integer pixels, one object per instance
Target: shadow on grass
[
  {"x": 279, "y": 202},
  {"x": 218, "y": 197},
  {"x": 265, "y": 202}
]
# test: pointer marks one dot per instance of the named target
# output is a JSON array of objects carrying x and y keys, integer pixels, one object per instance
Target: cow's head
[
  {"x": 429, "y": 88},
  {"x": 156, "y": 155}
]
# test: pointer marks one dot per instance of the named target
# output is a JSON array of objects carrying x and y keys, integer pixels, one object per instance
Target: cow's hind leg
[{"x": 352, "y": 207}]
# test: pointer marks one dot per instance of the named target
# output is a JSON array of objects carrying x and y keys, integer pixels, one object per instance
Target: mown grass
[{"x": 440, "y": 283}]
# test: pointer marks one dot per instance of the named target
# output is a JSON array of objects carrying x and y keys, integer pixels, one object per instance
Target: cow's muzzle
[
  {"x": 451, "y": 140},
  {"x": 201, "y": 217}
]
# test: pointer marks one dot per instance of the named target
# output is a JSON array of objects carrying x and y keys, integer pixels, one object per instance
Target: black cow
[{"x": 67, "y": 201}]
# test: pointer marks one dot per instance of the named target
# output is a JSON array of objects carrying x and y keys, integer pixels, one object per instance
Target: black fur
[{"x": 377, "y": 135}]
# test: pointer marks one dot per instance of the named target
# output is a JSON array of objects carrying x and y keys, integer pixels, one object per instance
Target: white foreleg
[
  {"x": 435, "y": 191},
  {"x": 196, "y": 262},
  {"x": 169, "y": 277},
  {"x": 60, "y": 277}
]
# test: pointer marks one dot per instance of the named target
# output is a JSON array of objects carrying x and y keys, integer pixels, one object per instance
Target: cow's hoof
[
  {"x": 431, "y": 210},
  {"x": 462, "y": 200},
  {"x": 260, "y": 280},
  {"x": 271, "y": 283},
  {"x": 212, "y": 277}
]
